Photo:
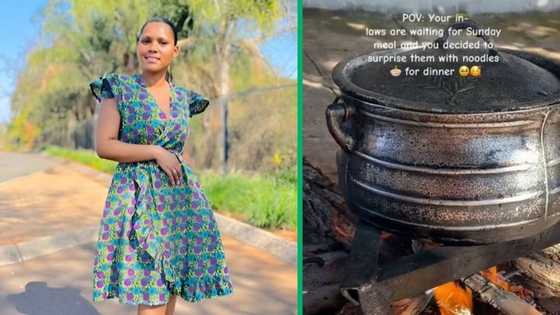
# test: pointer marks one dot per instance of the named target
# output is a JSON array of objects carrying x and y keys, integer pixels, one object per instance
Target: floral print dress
[{"x": 155, "y": 239}]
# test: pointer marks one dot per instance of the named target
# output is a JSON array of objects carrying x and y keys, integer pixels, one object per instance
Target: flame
[
  {"x": 453, "y": 299},
  {"x": 492, "y": 275}
]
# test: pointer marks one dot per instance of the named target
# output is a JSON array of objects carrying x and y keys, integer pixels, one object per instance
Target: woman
[{"x": 158, "y": 237}]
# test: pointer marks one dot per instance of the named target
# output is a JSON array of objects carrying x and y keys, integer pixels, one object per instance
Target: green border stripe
[{"x": 300, "y": 158}]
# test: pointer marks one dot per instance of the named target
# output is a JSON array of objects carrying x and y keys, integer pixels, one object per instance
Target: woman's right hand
[{"x": 169, "y": 163}]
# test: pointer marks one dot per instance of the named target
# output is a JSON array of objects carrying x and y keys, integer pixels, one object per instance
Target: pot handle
[{"x": 337, "y": 113}]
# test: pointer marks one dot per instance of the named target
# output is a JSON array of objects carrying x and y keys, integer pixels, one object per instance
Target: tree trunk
[
  {"x": 223, "y": 52},
  {"x": 325, "y": 214},
  {"x": 323, "y": 254}
]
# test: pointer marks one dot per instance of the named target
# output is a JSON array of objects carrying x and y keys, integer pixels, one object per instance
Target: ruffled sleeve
[
  {"x": 197, "y": 103},
  {"x": 104, "y": 87}
]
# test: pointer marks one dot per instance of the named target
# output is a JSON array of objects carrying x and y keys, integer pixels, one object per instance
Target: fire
[
  {"x": 492, "y": 275},
  {"x": 453, "y": 299}
]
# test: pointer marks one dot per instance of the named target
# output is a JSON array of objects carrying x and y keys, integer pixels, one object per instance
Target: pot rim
[
  {"x": 469, "y": 120},
  {"x": 349, "y": 88}
]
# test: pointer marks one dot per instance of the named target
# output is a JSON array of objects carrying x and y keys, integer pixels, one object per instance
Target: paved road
[
  {"x": 18, "y": 164},
  {"x": 60, "y": 284},
  {"x": 59, "y": 198},
  {"x": 39, "y": 197}
]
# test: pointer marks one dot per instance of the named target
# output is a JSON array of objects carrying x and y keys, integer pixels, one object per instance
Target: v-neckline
[{"x": 152, "y": 99}]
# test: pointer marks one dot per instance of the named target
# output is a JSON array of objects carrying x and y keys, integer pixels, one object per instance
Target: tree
[
  {"x": 232, "y": 25},
  {"x": 80, "y": 40}
]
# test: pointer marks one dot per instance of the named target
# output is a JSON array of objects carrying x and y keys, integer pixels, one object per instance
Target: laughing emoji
[
  {"x": 464, "y": 71},
  {"x": 475, "y": 71}
]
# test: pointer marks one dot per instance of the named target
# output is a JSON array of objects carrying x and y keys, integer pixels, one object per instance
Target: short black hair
[{"x": 159, "y": 19}]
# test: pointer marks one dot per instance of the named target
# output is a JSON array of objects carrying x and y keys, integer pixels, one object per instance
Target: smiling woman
[
  {"x": 158, "y": 237},
  {"x": 151, "y": 35}
]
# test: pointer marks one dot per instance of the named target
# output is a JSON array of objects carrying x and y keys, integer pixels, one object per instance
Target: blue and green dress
[{"x": 155, "y": 239}]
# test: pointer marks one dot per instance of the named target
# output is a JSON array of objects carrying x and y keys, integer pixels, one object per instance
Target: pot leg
[{"x": 362, "y": 268}]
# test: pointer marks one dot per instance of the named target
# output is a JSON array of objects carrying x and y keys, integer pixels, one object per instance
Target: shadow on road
[{"x": 39, "y": 299}]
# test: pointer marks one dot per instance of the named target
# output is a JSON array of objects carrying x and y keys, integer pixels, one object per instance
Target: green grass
[
  {"x": 86, "y": 157},
  {"x": 267, "y": 201},
  {"x": 264, "y": 200}
]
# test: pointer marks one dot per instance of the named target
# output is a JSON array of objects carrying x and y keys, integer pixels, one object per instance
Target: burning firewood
[
  {"x": 542, "y": 271},
  {"x": 411, "y": 306},
  {"x": 507, "y": 302},
  {"x": 329, "y": 229},
  {"x": 492, "y": 275}
]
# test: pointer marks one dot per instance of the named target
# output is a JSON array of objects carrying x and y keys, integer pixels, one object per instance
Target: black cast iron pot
[{"x": 453, "y": 159}]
